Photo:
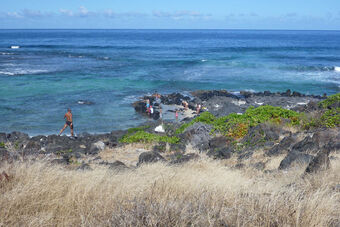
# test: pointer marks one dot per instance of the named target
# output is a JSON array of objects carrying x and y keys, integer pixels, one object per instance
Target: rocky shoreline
[{"x": 299, "y": 146}]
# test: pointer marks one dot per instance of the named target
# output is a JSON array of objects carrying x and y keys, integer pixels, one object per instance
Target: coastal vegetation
[
  {"x": 236, "y": 126},
  {"x": 138, "y": 135}
]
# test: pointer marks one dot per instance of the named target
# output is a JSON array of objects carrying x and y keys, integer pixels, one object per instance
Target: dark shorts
[{"x": 69, "y": 123}]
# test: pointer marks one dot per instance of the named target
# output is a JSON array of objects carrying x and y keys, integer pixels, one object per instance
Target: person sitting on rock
[
  {"x": 185, "y": 104},
  {"x": 69, "y": 122}
]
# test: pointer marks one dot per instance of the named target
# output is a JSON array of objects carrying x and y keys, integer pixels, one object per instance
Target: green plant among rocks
[
  {"x": 330, "y": 101},
  {"x": 236, "y": 125},
  {"x": 2, "y": 145},
  {"x": 328, "y": 117},
  {"x": 141, "y": 136}
]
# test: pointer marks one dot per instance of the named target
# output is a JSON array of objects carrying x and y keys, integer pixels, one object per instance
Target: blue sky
[{"x": 193, "y": 14}]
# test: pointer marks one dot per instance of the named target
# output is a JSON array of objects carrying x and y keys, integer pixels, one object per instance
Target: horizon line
[{"x": 254, "y": 29}]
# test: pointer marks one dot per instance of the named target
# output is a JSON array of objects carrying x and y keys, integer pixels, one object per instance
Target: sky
[{"x": 170, "y": 14}]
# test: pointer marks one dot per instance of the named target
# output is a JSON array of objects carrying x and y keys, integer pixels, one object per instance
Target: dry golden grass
[{"x": 199, "y": 193}]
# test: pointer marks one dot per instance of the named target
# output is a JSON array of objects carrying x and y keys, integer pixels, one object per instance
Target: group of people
[{"x": 149, "y": 110}]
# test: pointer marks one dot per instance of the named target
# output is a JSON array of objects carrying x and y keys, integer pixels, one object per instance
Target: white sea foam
[
  {"x": 336, "y": 68},
  {"x": 15, "y": 47},
  {"x": 204, "y": 60},
  {"x": 6, "y": 53},
  {"x": 7, "y": 73},
  {"x": 22, "y": 72}
]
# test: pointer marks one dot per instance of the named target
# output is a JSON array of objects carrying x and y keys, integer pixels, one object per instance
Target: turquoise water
[{"x": 56, "y": 69}]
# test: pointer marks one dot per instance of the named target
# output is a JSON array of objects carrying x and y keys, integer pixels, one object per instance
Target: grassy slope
[{"x": 201, "y": 193}]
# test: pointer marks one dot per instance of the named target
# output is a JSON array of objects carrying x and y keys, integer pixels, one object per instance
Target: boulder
[
  {"x": 174, "y": 99},
  {"x": 84, "y": 167},
  {"x": 295, "y": 157},
  {"x": 198, "y": 135},
  {"x": 97, "y": 147},
  {"x": 140, "y": 107},
  {"x": 17, "y": 136},
  {"x": 149, "y": 157},
  {"x": 283, "y": 147},
  {"x": 32, "y": 147},
  {"x": 307, "y": 145},
  {"x": 206, "y": 95},
  {"x": 182, "y": 158},
  {"x": 221, "y": 153},
  {"x": 55, "y": 148},
  {"x": 117, "y": 166},
  {"x": 217, "y": 142},
  {"x": 324, "y": 137},
  {"x": 262, "y": 133},
  {"x": 319, "y": 163}
]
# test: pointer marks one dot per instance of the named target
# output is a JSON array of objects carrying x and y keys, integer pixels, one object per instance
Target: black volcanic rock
[
  {"x": 294, "y": 157},
  {"x": 149, "y": 157}
]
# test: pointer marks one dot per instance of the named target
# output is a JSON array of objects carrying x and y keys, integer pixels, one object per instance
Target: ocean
[{"x": 99, "y": 73}]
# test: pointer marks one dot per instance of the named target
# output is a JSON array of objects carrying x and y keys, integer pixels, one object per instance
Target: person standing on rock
[
  {"x": 69, "y": 122},
  {"x": 198, "y": 109}
]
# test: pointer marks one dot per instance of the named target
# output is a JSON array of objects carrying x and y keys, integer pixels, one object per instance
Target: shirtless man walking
[{"x": 69, "y": 122}]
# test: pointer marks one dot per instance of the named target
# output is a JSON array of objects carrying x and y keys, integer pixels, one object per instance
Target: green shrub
[
  {"x": 331, "y": 118},
  {"x": 327, "y": 103},
  {"x": 145, "y": 137},
  {"x": 133, "y": 130},
  {"x": 2, "y": 145}
]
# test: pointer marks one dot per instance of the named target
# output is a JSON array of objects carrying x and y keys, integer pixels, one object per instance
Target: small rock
[
  {"x": 221, "y": 153},
  {"x": 182, "y": 158},
  {"x": 149, "y": 157},
  {"x": 84, "y": 166},
  {"x": 118, "y": 166}
]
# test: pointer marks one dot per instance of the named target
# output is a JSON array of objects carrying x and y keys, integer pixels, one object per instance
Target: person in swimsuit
[{"x": 69, "y": 122}]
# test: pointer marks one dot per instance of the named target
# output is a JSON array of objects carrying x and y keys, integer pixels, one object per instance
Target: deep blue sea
[{"x": 55, "y": 69}]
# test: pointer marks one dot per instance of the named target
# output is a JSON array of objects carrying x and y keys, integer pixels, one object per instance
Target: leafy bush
[
  {"x": 327, "y": 103},
  {"x": 2, "y": 145},
  {"x": 331, "y": 118},
  {"x": 133, "y": 130},
  {"x": 145, "y": 137}
]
